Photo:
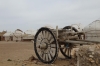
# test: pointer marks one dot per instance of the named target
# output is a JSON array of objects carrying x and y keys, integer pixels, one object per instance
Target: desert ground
[{"x": 19, "y": 54}]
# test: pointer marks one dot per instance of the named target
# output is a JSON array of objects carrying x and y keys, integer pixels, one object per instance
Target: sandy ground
[{"x": 18, "y": 53}]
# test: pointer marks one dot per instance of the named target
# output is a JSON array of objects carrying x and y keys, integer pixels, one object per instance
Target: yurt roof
[
  {"x": 95, "y": 25},
  {"x": 2, "y": 33},
  {"x": 18, "y": 31},
  {"x": 31, "y": 32},
  {"x": 8, "y": 34},
  {"x": 49, "y": 26}
]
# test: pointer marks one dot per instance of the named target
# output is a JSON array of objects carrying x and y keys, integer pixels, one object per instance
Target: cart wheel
[
  {"x": 45, "y": 45},
  {"x": 66, "y": 48}
]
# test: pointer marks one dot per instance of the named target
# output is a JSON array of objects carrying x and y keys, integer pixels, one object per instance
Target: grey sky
[{"x": 33, "y": 14}]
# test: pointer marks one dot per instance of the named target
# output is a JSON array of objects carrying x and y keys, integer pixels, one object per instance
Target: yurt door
[{"x": 0, "y": 38}]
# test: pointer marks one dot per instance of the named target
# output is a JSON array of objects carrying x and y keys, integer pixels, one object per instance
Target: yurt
[
  {"x": 8, "y": 36},
  {"x": 92, "y": 31},
  {"x": 29, "y": 35},
  {"x": 17, "y": 35},
  {"x": 2, "y": 38},
  {"x": 49, "y": 26},
  {"x": 79, "y": 26}
]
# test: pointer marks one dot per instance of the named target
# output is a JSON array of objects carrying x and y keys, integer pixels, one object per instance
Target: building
[
  {"x": 17, "y": 35},
  {"x": 8, "y": 36},
  {"x": 2, "y": 38},
  {"x": 29, "y": 35},
  {"x": 92, "y": 31}
]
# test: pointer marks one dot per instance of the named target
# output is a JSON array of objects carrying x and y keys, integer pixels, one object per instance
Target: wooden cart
[{"x": 47, "y": 42}]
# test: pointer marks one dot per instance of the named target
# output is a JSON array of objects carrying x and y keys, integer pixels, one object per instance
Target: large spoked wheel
[
  {"x": 45, "y": 45},
  {"x": 66, "y": 48}
]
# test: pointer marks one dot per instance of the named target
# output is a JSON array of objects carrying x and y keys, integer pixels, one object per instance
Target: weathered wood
[
  {"x": 75, "y": 42},
  {"x": 67, "y": 32},
  {"x": 71, "y": 33},
  {"x": 88, "y": 41},
  {"x": 63, "y": 38}
]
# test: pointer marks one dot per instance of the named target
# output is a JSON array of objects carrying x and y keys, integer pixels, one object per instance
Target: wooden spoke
[
  {"x": 38, "y": 43},
  {"x": 49, "y": 56},
  {"x": 68, "y": 52},
  {"x": 51, "y": 40},
  {"x": 53, "y": 46},
  {"x": 46, "y": 35},
  {"x": 44, "y": 56},
  {"x": 47, "y": 59},
  {"x": 37, "y": 46},
  {"x": 52, "y": 51},
  {"x": 65, "y": 50},
  {"x": 39, "y": 37},
  {"x": 41, "y": 34},
  {"x": 49, "y": 36},
  {"x": 41, "y": 54}
]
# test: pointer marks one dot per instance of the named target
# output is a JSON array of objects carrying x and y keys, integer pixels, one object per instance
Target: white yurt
[
  {"x": 49, "y": 26},
  {"x": 8, "y": 36},
  {"x": 29, "y": 35},
  {"x": 92, "y": 31},
  {"x": 79, "y": 27},
  {"x": 18, "y": 35}
]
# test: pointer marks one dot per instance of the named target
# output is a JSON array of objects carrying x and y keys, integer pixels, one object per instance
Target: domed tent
[
  {"x": 1, "y": 35},
  {"x": 92, "y": 31},
  {"x": 29, "y": 35},
  {"x": 8, "y": 36},
  {"x": 17, "y": 35},
  {"x": 49, "y": 26}
]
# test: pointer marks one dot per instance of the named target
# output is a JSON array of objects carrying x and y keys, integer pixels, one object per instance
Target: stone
[
  {"x": 39, "y": 63},
  {"x": 91, "y": 56},
  {"x": 88, "y": 55},
  {"x": 32, "y": 58}
]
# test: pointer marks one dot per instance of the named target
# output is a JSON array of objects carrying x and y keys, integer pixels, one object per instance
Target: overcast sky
[{"x": 33, "y": 14}]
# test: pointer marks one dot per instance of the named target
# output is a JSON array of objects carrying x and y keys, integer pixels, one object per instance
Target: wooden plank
[
  {"x": 89, "y": 41},
  {"x": 72, "y": 33},
  {"x": 75, "y": 42}
]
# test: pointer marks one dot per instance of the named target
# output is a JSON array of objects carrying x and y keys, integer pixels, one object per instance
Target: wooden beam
[
  {"x": 89, "y": 41},
  {"x": 75, "y": 42}
]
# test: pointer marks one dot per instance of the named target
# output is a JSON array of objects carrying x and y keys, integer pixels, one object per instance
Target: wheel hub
[{"x": 43, "y": 46}]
